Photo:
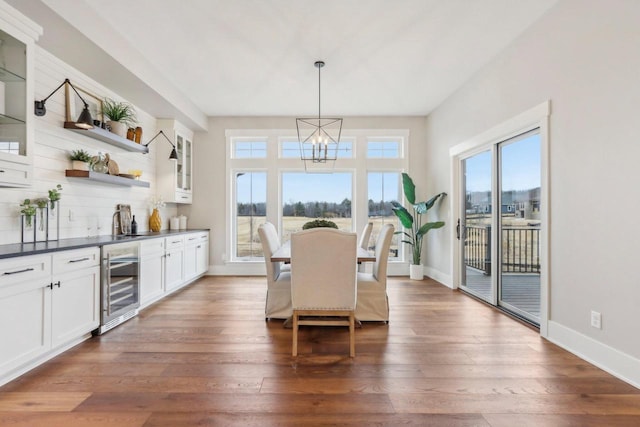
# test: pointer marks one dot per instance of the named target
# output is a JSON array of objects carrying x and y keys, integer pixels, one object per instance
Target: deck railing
[{"x": 520, "y": 249}]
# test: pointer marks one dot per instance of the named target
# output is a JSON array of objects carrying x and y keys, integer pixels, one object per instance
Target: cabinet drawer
[
  {"x": 75, "y": 260},
  {"x": 183, "y": 196},
  {"x": 23, "y": 269},
  {"x": 174, "y": 242},
  {"x": 14, "y": 174},
  {"x": 151, "y": 246},
  {"x": 196, "y": 238}
]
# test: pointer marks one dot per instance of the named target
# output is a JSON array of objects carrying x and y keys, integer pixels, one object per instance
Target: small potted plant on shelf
[
  {"x": 80, "y": 160},
  {"x": 122, "y": 116},
  {"x": 413, "y": 223}
]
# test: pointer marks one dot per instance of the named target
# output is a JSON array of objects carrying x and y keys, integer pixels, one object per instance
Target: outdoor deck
[{"x": 519, "y": 290}]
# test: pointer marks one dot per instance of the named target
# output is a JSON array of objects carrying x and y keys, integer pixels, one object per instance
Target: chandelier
[{"x": 319, "y": 137}]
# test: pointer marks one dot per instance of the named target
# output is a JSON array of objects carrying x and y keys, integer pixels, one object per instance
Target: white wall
[
  {"x": 208, "y": 208},
  {"x": 90, "y": 203},
  {"x": 583, "y": 56}
]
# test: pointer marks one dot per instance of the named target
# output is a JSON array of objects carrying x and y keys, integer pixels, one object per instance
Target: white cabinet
[
  {"x": 175, "y": 178},
  {"x": 196, "y": 258},
  {"x": 174, "y": 262},
  {"x": 46, "y": 302},
  {"x": 151, "y": 270},
  {"x": 25, "y": 310},
  {"x": 17, "y": 40},
  {"x": 75, "y": 297}
]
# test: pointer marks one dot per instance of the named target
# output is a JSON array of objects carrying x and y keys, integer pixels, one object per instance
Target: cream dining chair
[
  {"x": 323, "y": 281},
  {"x": 373, "y": 302},
  {"x": 278, "y": 303},
  {"x": 364, "y": 242}
]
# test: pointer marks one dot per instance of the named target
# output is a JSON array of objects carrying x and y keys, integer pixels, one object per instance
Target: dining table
[{"x": 283, "y": 254}]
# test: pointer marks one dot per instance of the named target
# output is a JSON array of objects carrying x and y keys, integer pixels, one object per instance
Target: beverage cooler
[{"x": 120, "y": 284}]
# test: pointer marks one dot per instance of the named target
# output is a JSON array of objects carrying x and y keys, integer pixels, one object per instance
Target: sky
[{"x": 520, "y": 166}]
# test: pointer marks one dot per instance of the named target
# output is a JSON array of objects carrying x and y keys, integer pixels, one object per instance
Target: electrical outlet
[
  {"x": 72, "y": 216},
  {"x": 596, "y": 319}
]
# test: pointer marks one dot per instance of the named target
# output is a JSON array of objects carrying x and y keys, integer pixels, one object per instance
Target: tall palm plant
[{"x": 416, "y": 230}]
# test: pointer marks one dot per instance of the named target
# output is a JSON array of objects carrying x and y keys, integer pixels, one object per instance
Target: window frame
[{"x": 274, "y": 164}]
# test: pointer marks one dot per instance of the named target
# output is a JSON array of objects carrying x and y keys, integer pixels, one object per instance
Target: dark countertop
[{"x": 23, "y": 249}]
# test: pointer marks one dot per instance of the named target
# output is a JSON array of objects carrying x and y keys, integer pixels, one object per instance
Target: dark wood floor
[{"x": 206, "y": 357}]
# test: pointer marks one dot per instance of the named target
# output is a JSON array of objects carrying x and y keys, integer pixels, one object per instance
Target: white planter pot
[
  {"x": 118, "y": 128},
  {"x": 79, "y": 165},
  {"x": 416, "y": 272}
]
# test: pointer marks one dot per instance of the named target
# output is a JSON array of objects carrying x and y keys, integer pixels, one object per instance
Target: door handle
[{"x": 458, "y": 230}]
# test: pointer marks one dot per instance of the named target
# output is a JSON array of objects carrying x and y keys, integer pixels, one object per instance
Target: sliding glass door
[
  {"x": 499, "y": 225},
  {"x": 474, "y": 228},
  {"x": 520, "y": 182}
]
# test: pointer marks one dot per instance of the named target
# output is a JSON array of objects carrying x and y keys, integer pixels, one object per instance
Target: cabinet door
[
  {"x": 75, "y": 302},
  {"x": 202, "y": 257},
  {"x": 174, "y": 262},
  {"x": 25, "y": 313},
  {"x": 151, "y": 278},
  {"x": 16, "y": 97},
  {"x": 190, "y": 262}
]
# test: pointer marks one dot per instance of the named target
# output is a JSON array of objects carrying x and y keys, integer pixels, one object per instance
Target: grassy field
[{"x": 249, "y": 241}]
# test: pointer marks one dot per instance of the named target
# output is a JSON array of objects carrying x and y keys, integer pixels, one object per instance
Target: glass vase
[
  {"x": 28, "y": 229},
  {"x": 53, "y": 220},
  {"x": 41, "y": 224}
]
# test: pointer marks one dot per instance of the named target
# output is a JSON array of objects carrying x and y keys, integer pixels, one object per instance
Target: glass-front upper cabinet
[
  {"x": 175, "y": 177},
  {"x": 17, "y": 40}
]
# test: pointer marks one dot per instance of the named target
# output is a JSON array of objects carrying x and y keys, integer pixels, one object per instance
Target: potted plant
[
  {"x": 28, "y": 211},
  {"x": 54, "y": 196},
  {"x": 80, "y": 160},
  {"x": 122, "y": 116},
  {"x": 416, "y": 230},
  {"x": 316, "y": 223}
]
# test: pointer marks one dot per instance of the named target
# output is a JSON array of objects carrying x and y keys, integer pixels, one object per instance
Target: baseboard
[
  {"x": 439, "y": 276},
  {"x": 607, "y": 358}
]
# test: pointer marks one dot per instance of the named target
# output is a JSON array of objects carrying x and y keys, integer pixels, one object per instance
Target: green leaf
[
  {"x": 429, "y": 203},
  {"x": 403, "y": 214},
  {"x": 409, "y": 188},
  {"x": 429, "y": 226}
]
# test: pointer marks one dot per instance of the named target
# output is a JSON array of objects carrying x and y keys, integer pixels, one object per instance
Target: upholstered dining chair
[
  {"x": 278, "y": 303},
  {"x": 373, "y": 302},
  {"x": 323, "y": 281},
  {"x": 364, "y": 242}
]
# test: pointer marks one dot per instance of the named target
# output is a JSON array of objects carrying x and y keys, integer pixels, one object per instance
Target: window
[
  {"x": 268, "y": 182},
  {"x": 291, "y": 149},
  {"x": 249, "y": 149},
  {"x": 250, "y": 212},
  {"x": 308, "y": 196},
  {"x": 383, "y": 148},
  {"x": 383, "y": 188}
]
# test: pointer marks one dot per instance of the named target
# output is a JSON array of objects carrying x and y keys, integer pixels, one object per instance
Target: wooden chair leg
[
  {"x": 352, "y": 335},
  {"x": 294, "y": 344}
]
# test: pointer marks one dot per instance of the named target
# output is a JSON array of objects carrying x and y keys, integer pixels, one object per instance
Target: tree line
[{"x": 316, "y": 209}]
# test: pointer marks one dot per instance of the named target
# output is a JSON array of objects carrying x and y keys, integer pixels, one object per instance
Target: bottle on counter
[{"x": 134, "y": 226}]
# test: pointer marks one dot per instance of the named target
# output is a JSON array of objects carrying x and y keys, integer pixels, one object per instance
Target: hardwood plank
[
  {"x": 526, "y": 420},
  {"x": 73, "y": 419},
  {"x": 33, "y": 401},
  {"x": 327, "y": 420}
]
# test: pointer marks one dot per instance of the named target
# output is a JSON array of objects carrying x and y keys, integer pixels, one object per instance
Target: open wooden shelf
[
  {"x": 108, "y": 137},
  {"x": 105, "y": 178}
]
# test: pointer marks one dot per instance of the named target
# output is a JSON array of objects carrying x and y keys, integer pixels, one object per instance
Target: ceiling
[{"x": 255, "y": 57}]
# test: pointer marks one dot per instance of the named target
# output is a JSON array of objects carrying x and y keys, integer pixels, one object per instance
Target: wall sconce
[
  {"x": 174, "y": 154},
  {"x": 85, "y": 121}
]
